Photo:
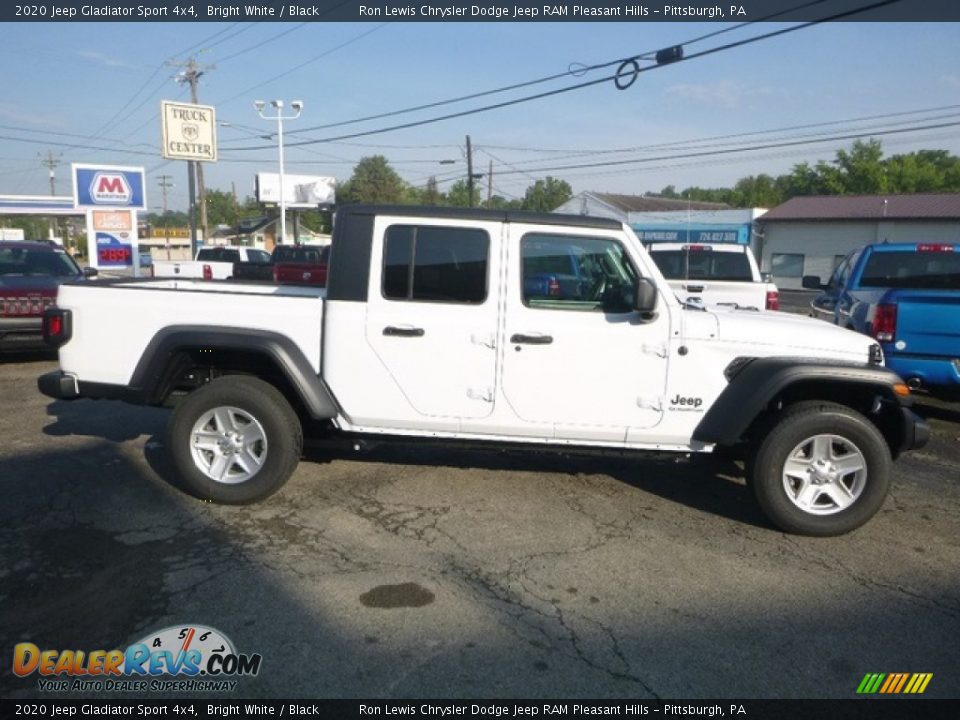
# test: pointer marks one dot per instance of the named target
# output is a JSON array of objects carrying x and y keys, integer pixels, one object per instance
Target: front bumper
[
  {"x": 21, "y": 333},
  {"x": 59, "y": 385}
]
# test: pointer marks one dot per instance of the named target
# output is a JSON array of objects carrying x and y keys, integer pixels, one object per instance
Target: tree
[
  {"x": 459, "y": 195},
  {"x": 222, "y": 208},
  {"x": 546, "y": 195},
  {"x": 431, "y": 195},
  {"x": 373, "y": 181}
]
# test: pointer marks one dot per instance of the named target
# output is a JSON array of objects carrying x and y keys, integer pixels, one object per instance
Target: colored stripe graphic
[{"x": 894, "y": 683}]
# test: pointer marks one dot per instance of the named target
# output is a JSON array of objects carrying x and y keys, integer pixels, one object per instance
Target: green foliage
[
  {"x": 861, "y": 170},
  {"x": 374, "y": 181},
  {"x": 546, "y": 195}
]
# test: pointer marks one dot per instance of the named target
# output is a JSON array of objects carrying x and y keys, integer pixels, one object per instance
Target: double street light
[{"x": 297, "y": 107}]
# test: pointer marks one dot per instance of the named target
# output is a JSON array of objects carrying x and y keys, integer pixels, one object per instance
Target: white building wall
[{"x": 821, "y": 243}]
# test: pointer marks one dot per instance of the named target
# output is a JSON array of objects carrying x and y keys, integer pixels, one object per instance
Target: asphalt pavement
[{"x": 417, "y": 573}]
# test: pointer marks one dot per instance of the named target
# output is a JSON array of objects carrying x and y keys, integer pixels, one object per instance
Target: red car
[{"x": 30, "y": 273}]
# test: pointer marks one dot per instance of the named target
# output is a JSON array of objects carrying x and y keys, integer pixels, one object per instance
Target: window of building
[
  {"x": 435, "y": 264},
  {"x": 564, "y": 272},
  {"x": 787, "y": 265}
]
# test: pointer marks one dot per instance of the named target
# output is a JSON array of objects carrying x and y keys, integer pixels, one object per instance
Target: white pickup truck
[
  {"x": 451, "y": 326},
  {"x": 715, "y": 275},
  {"x": 211, "y": 263}
]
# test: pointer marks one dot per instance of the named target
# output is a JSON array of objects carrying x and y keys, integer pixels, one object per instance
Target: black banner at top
[{"x": 481, "y": 11}]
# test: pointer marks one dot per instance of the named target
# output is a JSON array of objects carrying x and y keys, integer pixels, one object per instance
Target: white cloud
[
  {"x": 952, "y": 81},
  {"x": 104, "y": 60},
  {"x": 725, "y": 94}
]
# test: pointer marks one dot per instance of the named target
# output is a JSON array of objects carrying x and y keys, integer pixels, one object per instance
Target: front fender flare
[{"x": 761, "y": 380}]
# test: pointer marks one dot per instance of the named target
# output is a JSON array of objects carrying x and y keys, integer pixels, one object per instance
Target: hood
[
  {"x": 17, "y": 285},
  {"x": 781, "y": 333}
]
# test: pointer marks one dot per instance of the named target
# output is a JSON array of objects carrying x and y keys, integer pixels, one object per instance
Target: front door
[{"x": 577, "y": 361}]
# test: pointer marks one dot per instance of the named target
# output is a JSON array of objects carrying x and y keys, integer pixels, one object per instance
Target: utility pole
[
  {"x": 50, "y": 162},
  {"x": 490, "y": 186},
  {"x": 191, "y": 73},
  {"x": 164, "y": 186},
  {"x": 469, "y": 174}
]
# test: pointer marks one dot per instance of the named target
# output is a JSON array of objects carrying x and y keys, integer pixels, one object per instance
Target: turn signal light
[{"x": 773, "y": 300}]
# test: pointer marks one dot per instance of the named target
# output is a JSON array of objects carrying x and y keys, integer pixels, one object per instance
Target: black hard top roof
[{"x": 456, "y": 213}]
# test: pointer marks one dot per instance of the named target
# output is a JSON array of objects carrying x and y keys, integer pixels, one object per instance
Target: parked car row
[
  {"x": 30, "y": 274},
  {"x": 289, "y": 264}
]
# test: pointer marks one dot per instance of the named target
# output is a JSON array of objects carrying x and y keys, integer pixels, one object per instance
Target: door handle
[
  {"x": 531, "y": 339},
  {"x": 393, "y": 331},
  {"x": 693, "y": 288}
]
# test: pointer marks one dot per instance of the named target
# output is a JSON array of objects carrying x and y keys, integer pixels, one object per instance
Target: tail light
[
  {"x": 553, "y": 287},
  {"x": 885, "y": 322},
  {"x": 934, "y": 247},
  {"x": 207, "y": 272},
  {"x": 773, "y": 300},
  {"x": 57, "y": 326}
]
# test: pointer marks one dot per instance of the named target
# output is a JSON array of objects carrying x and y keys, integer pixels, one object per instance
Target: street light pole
[{"x": 297, "y": 107}]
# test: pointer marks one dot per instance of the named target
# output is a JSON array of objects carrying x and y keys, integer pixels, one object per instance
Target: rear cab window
[
  {"x": 930, "y": 267},
  {"x": 429, "y": 263},
  {"x": 703, "y": 263}
]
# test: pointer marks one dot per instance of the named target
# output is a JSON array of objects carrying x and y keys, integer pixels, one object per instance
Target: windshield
[
  {"x": 908, "y": 269},
  {"x": 688, "y": 264},
  {"x": 23, "y": 261}
]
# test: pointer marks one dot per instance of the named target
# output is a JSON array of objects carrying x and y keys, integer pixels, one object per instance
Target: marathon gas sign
[{"x": 96, "y": 186}]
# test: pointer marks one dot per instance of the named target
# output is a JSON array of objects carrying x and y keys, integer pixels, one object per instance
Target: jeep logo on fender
[
  {"x": 686, "y": 404},
  {"x": 110, "y": 188}
]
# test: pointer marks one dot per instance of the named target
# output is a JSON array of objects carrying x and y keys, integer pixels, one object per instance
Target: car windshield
[
  {"x": 931, "y": 270},
  {"x": 27, "y": 261},
  {"x": 698, "y": 264}
]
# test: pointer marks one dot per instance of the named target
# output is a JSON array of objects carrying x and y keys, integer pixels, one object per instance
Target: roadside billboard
[{"x": 300, "y": 191}]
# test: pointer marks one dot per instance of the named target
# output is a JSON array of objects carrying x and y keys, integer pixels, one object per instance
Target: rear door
[{"x": 432, "y": 314}]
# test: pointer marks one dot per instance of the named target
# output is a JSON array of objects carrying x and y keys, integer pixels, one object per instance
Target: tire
[
  {"x": 234, "y": 441},
  {"x": 824, "y": 469}
]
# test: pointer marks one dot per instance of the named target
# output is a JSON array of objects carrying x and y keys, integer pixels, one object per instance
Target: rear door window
[{"x": 435, "y": 264}]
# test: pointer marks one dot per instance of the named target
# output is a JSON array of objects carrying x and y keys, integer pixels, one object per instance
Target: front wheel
[
  {"x": 235, "y": 440},
  {"x": 824, "y": 469}
]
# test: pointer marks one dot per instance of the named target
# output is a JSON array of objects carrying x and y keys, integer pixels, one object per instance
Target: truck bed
[{"x": 120, "y": 318}]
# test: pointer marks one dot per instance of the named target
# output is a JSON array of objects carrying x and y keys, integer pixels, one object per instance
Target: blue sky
[{"x": 101, "y": 85}]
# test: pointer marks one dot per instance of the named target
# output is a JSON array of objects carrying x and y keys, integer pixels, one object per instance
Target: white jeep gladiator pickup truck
[
  {"x": 715, "y": 275},
  {"x": 454, "y": 326},
  {"x": 211, "y": 263}
]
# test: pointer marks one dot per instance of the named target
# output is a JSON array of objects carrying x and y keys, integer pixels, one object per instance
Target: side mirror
[
  {"x": 89, "y": 272},
  {"x": 645, "y": 296},
  {"x": 812, "y": 282}
]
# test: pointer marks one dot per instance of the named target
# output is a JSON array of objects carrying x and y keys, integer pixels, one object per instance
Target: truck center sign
[{"x": 189, "y": 132}]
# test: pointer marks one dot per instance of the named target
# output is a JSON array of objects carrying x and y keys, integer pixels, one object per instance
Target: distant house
[
  {"x": 811, "y": 235},
  {"x": 261, "y": 232}
]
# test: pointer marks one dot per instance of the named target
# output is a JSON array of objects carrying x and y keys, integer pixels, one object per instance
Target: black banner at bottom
[{"x": 873, "y": 709}]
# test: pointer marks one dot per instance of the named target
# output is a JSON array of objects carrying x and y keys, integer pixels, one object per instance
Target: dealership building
[{"x": 811, "y": 235}]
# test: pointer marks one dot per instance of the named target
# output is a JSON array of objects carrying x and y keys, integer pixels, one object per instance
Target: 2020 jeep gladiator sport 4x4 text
[{"x": 429, "y": 328}]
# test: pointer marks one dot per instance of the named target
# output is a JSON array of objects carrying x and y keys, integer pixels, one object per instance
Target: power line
[
  {"x": 529, "y": 83},
  {"x": 617, "y": 77},
  {"x": 728, "y": 151}
]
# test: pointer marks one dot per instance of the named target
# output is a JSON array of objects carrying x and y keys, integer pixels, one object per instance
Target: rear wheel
[
  {"x": 824, "y": 469},
  {"x": 235, "y": 440}
]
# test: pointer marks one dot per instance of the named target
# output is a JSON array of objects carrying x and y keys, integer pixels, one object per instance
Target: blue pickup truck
[{"x": 907, "y": 296}]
